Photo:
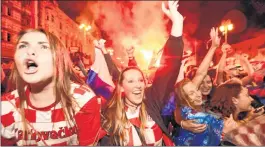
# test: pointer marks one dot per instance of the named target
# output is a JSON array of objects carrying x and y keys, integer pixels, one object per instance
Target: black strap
[{"x": 140, "y": 136}]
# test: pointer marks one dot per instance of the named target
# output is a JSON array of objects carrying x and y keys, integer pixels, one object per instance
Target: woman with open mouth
[{"x": 50, "y": 105}]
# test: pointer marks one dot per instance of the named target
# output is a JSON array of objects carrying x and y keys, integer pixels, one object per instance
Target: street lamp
[
  {"x": 225, "y": 27},
  {"x": 85, "y": 28}
]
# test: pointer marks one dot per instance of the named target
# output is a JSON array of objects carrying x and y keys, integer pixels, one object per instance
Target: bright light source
[
  {"x": 88, "y": 28},
  {"x": 222, "y": 28},
  {"x": 230, "y": 27},
  {"x": 157, "y": 64},
  {"x": 147, "y": 54},
  {"x": 118, "y": 58},
  {"x": 82, "y": 26}
]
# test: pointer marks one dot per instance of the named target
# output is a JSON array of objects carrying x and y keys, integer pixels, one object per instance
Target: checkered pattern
[
  {"x": 152, "y": 133},
  {"x": 50, "y": 121},
  {"x": 249, "y": 134}
]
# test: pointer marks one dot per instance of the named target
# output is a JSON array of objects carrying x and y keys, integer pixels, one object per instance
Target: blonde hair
[
  {"x": 63, "y": 75},
  {"x": 182, "y": 97},
  {"x": 115, "y": 120}
]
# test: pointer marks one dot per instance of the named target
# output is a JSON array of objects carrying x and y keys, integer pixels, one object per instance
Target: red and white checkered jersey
[
  {"x": 152, "y": 133},
  {"x": 251, "y": 133},
  {"x": 50, "y": 122}
]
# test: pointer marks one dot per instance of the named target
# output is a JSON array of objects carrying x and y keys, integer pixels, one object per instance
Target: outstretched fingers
[{"x": 165, "y": 10}]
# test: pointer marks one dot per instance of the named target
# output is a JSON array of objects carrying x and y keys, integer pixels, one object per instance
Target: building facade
[
  {"x": 12, "y": 13},
  {"x": 18, "y": 15},
  {"x": 53, "y": 19}
]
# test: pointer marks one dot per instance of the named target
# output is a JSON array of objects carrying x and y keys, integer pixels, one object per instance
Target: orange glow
[
  {"x": 82, "y": 26},
  {"x": 147, "y": 55},
  {"x": 157, "y": 64},
  {"x": 230, "y": 27},
  {"x": 222, "y": 28},
  {"x": 88, "y": 28}
]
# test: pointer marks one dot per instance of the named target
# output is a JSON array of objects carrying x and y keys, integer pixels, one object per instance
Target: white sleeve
[{"x": 101, "y": 68}]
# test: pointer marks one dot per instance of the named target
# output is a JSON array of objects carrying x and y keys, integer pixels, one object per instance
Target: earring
[{"x": 123, "y": 95}]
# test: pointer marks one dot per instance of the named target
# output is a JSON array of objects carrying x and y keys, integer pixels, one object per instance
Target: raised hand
[
  {"x": 172, "y": 12},
  {"x": 226, "y": 48},
  {"x": 100, "y": 45},
  {"x": 214, "y": 37},
  {"x": 176, "y": 18},
  {"x": 130, "y": 52}
]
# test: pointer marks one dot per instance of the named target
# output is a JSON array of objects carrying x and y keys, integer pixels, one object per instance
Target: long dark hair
[
  {"x": 63, "y": 76},
  {"x": 221, "y": 101}
]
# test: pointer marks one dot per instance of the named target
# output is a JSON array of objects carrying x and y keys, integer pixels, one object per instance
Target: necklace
[{"x": 132, "y": 107}]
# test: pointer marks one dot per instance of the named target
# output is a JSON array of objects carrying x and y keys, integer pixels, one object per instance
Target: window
[
  {"x": 8, "y": 37},
  {"x": 25, "y": 3},
  {"x": 29, "y": 21},
  {"x": 26, "y": 19},
  {"x": 8, "y": 11},
  {"x": 61, "y": 26},
  {"x": 47, "y": 17},
  {"x": 2, "y": 36},
  {"x": 26, "y": 22},
  {"x": 52, "y": 18}
]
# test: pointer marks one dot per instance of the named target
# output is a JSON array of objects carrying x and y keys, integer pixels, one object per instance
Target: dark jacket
[{"x": 165, "y": 78}]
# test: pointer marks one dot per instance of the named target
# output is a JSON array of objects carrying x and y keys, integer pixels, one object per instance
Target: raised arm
[
  {"x": 132, "y": 61},
  {"x": 248, "y": 67},
  {"x": 204, "y": 66},
  {"x": 82, "y": 67},
  {"x": 181, "y": 75},
  {"x": 166, "y": 74},
  {"x": 113, "y": 70},
  {"x": 99, "y": 78},
  {"x": 221, "y": 66}
]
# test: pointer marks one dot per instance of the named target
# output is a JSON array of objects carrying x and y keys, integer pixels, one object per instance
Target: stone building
[{"x": 18, "y": 15}]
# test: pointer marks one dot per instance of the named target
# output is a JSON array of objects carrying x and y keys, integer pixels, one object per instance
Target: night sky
[
  {"x": 255, "y": 15},
  {"x": 201, "y": 17}
]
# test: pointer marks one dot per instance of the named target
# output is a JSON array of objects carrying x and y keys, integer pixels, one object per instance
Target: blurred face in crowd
[
  {"x": 133, "y": 85},
  {"x": 206, "y": 85},
  {"x": 233, "y": 72},
  {"x": 194, "y": 95},
  {"x": 243, "y": 101},
  {"x": 33, "y": 58},
  {"x": 237, "y": 72}
]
